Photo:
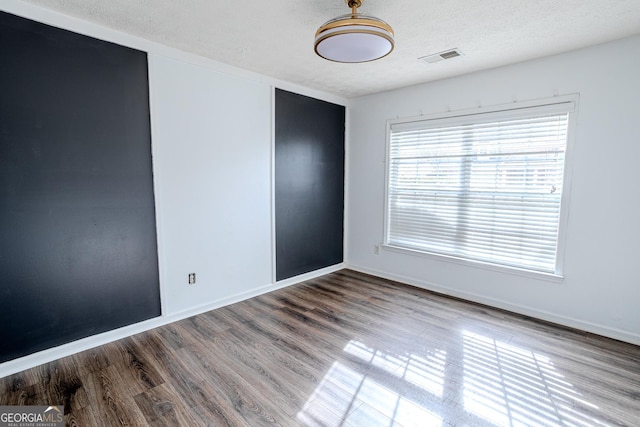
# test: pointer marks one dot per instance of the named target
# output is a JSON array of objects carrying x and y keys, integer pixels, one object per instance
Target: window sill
[{"x": 551, "y": 277}]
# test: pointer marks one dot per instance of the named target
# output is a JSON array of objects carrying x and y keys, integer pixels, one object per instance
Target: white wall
[
  {"x": 212, "y": 166},
  {"x": 601, "y": 288}
]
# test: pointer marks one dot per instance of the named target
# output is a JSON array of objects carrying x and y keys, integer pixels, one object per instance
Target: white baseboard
[
  {"x": 571, "y": 322},
  {"x": 310, "y": 275},
  {"x": 48, "y": 355}
]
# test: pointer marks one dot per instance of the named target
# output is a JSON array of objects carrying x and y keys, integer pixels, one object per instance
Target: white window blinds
[{"x": 483, "y": 187}]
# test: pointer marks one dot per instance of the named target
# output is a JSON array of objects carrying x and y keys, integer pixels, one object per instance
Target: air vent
[
  {"x": 450, "y": 54},
  {"x": 436, "y": 57}
]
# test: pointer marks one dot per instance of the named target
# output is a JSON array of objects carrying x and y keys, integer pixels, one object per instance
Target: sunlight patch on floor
[
  {"x": 498, "y": 384},
  {"x": 370, "y": 401},
  {"x": 510, "y": 386}
]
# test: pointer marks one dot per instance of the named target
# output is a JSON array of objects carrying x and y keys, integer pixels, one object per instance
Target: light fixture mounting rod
[{"x": 354, "y": 5}]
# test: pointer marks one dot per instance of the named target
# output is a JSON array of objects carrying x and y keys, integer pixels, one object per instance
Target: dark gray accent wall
[
  {"x": 309, "y": 183},
  {"x": 78, "y": 251}
]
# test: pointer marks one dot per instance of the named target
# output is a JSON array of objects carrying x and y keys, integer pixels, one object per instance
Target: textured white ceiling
[{"x": 275, "y": 37}]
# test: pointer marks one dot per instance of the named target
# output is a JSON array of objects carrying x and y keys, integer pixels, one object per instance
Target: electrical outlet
[
  {"x": 376, "y": 249},
  {"x": 192, "y": 278}
]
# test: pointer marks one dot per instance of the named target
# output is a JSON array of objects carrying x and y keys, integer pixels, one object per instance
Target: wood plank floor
[{"x": 346, "y": 349}]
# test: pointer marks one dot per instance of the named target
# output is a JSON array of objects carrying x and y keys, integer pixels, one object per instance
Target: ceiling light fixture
[{"x": 354, "y": 37}]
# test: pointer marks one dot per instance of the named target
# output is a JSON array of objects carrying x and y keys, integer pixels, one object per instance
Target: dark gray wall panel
[
  {"x": 78, "y": 251},
  {"x": 309, "y": 183}
]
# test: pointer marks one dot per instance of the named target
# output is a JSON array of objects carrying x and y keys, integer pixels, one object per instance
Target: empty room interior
[{"x": 323, "y": 213}]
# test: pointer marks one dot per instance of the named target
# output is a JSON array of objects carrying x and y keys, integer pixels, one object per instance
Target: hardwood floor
[{"x": 346, "y": 349}]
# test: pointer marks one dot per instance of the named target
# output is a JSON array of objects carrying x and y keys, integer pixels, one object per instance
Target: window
[{"x": 484, "y": 187}]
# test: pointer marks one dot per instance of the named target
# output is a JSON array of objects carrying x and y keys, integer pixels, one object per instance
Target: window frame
[{"x": 506, "y": 110}]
